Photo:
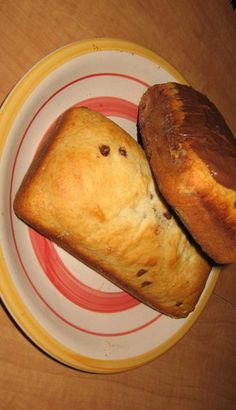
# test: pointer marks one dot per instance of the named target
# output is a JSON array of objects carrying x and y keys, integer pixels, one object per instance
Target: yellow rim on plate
[{"x": 9, "y": 293}]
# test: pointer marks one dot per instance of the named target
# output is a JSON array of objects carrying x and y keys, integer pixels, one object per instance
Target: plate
[{"x": 68, "y": 310}]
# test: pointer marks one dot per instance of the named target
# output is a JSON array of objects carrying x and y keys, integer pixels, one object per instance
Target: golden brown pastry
[
  {"x": 192, "y": 153},
  {"x": 91, "y": 191}
]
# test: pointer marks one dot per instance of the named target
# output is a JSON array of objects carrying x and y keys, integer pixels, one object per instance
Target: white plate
[{"x": 68, "y": 310}]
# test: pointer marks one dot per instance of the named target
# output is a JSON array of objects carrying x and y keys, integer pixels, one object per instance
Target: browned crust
[{"x": 207, "y": 208}]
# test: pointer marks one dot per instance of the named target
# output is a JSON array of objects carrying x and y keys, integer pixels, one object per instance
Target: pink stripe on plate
[
  {"x": 71, "y": 287},
  {"x": 112, "y": 107}
]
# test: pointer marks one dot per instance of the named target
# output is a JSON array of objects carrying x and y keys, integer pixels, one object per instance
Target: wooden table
[{"x": 199, "y": 39}]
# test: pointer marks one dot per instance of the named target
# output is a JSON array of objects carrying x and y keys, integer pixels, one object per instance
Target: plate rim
[{"x": 8, "y": 292}]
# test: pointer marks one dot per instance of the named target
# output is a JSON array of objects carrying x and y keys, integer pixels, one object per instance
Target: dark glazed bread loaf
[
  {"x": 192, "y": 153},
  {"x": 91, "y": 191}
]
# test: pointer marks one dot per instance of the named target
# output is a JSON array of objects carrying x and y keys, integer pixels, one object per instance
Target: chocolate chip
[
  {"x": 178, "y": 304},
  {"x": 141, "y": 272},
  {"x": 151, "y": 196},
  {"x": 105, "y": 150},
  {"x": 145, "y": 283},
  {"x": 122, "y": 151},
  {"x": 167, "y": 215}
]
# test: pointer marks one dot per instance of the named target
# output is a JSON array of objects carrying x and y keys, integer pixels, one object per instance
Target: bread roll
[
  {"x": 192, "y": 153},
  {"x": 90, "y": 190}
]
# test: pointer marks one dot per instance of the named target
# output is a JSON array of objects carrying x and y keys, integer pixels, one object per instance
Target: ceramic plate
[{"x": 65, "y": 308}]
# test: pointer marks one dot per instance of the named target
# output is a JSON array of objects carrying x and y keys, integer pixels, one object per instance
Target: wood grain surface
[{"x": 198, "y": 37}]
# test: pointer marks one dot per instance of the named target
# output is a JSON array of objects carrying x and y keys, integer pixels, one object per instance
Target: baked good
[
  {"x": 192, "y": 153},
  {"x": 90, "y": 190}
]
